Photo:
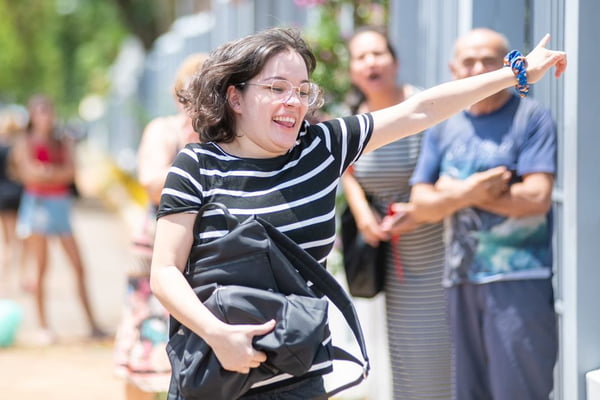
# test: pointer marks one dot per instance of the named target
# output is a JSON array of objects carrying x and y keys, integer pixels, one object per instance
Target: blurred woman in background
[
  {"x": 140, "y": 354},
  {"x": 46, "y": 166}
]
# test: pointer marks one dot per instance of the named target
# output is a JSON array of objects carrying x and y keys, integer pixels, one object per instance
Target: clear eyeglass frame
[{"x": 281, "y": 89}]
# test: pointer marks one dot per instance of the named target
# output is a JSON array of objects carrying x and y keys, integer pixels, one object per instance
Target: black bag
[
  {"x": 251, "y": 275},
  {"x": 364, "y": 264}
]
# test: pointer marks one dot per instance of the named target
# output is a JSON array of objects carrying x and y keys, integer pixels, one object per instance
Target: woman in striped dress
[{"x": 417, "y": 327}]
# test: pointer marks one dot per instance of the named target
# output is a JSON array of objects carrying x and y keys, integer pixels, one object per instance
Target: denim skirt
[{"x": 44, "y": 215}]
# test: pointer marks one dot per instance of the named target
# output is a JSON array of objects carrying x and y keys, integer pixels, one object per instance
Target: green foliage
[
  {"x": 64, "y": 48},
  {"x": 326, "y": 41},
  {"x": 60, "y": 48},
  {"x": 329, "y": 43}
]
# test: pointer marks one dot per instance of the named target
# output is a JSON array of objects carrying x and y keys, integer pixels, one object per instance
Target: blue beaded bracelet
[{"x": 518, "y": 63}]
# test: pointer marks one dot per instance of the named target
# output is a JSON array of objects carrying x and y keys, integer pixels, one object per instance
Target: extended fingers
[
  {"x": 561, "y": 64},
  {"x": 544, "y": 41},
  {"x": 540, "y": 59}
]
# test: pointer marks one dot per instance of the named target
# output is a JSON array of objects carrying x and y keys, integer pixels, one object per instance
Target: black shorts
[
  {"x": 303, "y": 390},
  {"x": 10, "y": 195}
]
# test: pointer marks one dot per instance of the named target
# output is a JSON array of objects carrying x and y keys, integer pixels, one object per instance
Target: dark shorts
[
  {"x": 10, "y": 195},
  {"x": 505, "y": 339},
  {"x": 303, "y": 390}
]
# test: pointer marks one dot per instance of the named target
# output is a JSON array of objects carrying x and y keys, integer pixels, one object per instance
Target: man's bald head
[{"x": 479, "y": 50}]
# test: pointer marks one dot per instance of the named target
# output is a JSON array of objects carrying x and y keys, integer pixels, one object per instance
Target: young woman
[{"x": 259, "y": 156}]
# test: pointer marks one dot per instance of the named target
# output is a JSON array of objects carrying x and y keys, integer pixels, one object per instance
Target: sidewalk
[{"x": 75, "y": 368}]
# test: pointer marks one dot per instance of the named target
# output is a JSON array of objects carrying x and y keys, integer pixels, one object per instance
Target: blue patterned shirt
[{"x": 481, "y": 246}]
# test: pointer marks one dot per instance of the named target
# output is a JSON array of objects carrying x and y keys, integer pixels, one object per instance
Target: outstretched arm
[{"x": 438, "y": 103}]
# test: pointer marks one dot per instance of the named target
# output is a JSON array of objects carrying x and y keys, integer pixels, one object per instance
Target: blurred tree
[
  {"x": 147, "y": 19},
  {"x": 58, "y": 48},
  {"x": 64, "y": 48},
  {"x": 328, "y": 40}
]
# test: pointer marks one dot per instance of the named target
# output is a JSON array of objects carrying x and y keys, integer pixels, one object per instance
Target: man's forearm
[
  {"x": 433, "y": 205},
  {"x": 518, "y": 202}
]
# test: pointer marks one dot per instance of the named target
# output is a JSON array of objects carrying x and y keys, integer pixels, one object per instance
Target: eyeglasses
[{"x": 307, "y": 92}]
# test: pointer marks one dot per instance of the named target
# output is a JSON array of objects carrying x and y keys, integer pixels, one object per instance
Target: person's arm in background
[
  {"x": 155, "y": 155},
  {"x": 367, "y": 220},
  {"x": 403, "y": 219},
  {"x": 434, "y": 197},
  {"x": 434, "y": 202},
  {"x": 373, "y": 227},
  {"x": 431, "y": 203},
  {"x": 30, "y": 170},
  {"x": 532, "y": 196},
  {"x": 64, "y": 173}
]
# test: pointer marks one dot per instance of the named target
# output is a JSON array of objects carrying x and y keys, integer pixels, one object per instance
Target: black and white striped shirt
[{"x": 295, "y": 192}]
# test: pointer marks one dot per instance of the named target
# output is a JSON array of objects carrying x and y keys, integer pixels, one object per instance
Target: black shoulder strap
[{"x": 311, "y": 270}]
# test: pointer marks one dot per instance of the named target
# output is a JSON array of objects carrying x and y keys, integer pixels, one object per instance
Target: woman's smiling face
[{"x": 267, "y": 125}]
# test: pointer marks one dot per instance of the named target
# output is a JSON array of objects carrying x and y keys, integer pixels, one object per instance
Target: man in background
[{"x": 489, "y": 172}]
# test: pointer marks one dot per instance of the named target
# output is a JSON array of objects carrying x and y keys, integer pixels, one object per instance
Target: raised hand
[{"x": 541, "y": 59}]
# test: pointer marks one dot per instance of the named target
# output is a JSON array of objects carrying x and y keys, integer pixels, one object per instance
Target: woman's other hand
[{"x": 233, "y": 346}]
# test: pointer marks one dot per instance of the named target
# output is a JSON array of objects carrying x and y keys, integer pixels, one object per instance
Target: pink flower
[{"x": 308, "y": 3}]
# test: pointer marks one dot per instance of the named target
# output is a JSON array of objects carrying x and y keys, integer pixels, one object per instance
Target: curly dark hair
[{"x": 235, "y": 62}]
